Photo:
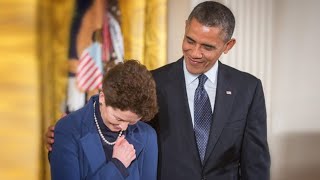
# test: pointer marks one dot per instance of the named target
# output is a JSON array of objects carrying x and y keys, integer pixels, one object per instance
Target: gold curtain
[
  {"x": 144, "y": 27},
  {"x": 54, "y": 19},
  {"x": 19, "y": 88}
]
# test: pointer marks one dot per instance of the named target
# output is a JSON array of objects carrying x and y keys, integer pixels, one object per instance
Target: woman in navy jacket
[{"x": 106, "y": 139}]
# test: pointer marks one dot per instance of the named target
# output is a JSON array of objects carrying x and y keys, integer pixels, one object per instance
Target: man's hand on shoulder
[{"x": 49, "y": 137}]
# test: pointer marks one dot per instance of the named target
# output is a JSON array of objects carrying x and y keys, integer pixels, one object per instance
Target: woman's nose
[{"x": 124, "y": 125}]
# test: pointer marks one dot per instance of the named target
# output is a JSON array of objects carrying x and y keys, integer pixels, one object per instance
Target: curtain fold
[
  {"x": 144, "y": 27},
  {"x": 156, "y": 34},
  {"x": 54, "y": 18},
  {"x": 133, "y": 28}
]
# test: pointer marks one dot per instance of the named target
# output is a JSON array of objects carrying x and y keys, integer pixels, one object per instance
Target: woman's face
[{"x": 116, "y": 119}]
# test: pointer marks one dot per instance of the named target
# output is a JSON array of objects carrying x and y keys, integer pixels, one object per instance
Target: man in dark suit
[
  {"x": 236, "y": 139},
  {"x": 212, "y": 118}
]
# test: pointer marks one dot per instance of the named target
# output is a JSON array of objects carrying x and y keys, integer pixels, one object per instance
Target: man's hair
[
  {"x": 130, "y": 86},
  {"x": 214, "y": 14}
]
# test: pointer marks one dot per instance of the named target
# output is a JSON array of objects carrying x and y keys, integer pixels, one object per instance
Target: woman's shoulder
[
  {"x": 143, "y": 133},
  {"x": 144, "y": 127},
  {"x": 142, "y": 130},
  {"x": 72, "y": 121}
]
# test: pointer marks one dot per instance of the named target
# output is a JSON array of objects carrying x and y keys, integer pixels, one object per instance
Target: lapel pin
[{"x": 228, "y": 92}]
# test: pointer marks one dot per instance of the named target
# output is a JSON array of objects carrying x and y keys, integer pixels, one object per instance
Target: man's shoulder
[
  {"x": 165, "y": 73},
  {"x": 237, "y": 74},
  {"x": 166, "y": 68}
]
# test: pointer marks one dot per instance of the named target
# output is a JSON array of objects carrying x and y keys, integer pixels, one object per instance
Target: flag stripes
[{"x": 89, "y": 76}]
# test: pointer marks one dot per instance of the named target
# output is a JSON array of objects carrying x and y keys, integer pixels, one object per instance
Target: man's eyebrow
[
  {"x": 189, "y": 38},
  {"x": 209, "y": 45},
  {"x": 204, "y": 44}
]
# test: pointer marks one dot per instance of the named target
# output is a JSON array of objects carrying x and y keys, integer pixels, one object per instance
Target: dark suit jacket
[
  {"x": 78, "y": 153},
  {"x": 237, "y": 146}
]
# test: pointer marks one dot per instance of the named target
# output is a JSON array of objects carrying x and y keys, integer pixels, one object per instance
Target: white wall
[
  {"x": 295, "y": 105},
  {"x": 178, "y": 11},
  {"x": 296, "y": 70}
]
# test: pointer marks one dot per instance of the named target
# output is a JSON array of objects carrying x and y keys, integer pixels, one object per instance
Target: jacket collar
[
  {"x": 223, "y": 104},
  {"x": 90, "y": 138}
]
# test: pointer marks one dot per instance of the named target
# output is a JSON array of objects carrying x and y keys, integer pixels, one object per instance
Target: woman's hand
[{"x": 124, "y": 151}]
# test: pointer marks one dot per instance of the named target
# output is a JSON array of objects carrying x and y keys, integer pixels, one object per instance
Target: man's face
[{"x": 202, "y": 46}]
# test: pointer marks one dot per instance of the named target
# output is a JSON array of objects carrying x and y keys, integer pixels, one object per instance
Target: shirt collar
[{"x": 211, "y": 74}]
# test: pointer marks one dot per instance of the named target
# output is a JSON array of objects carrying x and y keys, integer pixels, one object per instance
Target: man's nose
[{"x": 196, "y": 52}]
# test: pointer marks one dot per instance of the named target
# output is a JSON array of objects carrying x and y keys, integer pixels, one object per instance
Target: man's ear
[{"x": 229, "y": 45}]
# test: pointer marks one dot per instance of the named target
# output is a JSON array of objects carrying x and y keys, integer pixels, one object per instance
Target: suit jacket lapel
[
  {"x": 223, "y": 103},
  {"x": 178, "y": 90},
  {"x": 134, "y": 139},
  {"x": 93, "y": 149},
  {"x": 90, "y": 140},
  {"x": 91, "y": 143}
]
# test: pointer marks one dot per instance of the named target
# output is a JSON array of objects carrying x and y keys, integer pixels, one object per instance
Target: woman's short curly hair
[{"x": 130, "y": 86}]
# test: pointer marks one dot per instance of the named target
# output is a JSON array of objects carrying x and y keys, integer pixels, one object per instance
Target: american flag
[{"x": 89, "y": 72}]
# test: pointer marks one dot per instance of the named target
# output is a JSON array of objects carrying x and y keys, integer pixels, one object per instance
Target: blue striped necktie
[{"x": 202, "y": 116}]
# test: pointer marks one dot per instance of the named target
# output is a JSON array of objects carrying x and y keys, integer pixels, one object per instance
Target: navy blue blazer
[
  {"x": 237, "y": 146},
  {"x": 78, "y": 153}
]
